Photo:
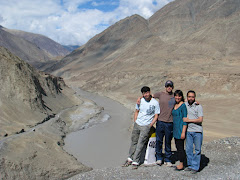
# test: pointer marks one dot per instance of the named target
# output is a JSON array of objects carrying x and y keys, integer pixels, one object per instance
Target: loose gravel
[{"x": 220, "y": 160}]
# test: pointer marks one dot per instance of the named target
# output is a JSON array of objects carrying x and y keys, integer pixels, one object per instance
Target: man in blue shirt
[{"x": 145, "y": 116}]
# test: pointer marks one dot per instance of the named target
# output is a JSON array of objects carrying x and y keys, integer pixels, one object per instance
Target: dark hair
[
  {"x": 179, "y": 93},
  {"x": 191, "y": 91},
  {"x": 145, "y": 89}
]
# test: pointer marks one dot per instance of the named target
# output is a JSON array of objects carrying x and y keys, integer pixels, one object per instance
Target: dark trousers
[
  {"x": 164, "y": 129},
  {"x": 180, "y": 149}
]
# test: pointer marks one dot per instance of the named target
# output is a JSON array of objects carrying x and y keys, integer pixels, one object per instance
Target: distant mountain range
[
  {"x": 33, "y": 48},
  {"x": 193, "y": 42},
  {"x": 71, "y": 47}
]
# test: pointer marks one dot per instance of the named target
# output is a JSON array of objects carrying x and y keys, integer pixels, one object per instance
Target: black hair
[
  {"x": 191, "y": 91},
  {"x": 179, "y": 93},
  {"x": 145, "y": 89}
]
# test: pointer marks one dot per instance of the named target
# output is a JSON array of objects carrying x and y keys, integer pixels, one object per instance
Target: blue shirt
[
  {"x": 178, "y": 123},
  {"x": 147, "y": 111}
]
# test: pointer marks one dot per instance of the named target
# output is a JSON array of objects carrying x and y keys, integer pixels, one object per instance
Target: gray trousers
[{"x": 140, "y": 135}]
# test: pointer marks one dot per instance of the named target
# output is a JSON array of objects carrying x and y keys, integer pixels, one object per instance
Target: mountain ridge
[
  {"x": 52, "y": 48},
  {"x": 35, "y": 49}
]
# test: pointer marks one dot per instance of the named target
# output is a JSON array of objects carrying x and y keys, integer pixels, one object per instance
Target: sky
[{"x": 71, "y": 22}]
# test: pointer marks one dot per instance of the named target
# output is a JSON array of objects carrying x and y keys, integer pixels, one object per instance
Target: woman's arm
[{"x": 183, "y": 132}]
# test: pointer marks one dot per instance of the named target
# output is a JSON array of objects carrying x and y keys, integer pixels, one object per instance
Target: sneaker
[
  {"x": 135, "y": 165},
  {"x": 159, "y": 162},
  {"x": 194, "y": 171},
  {"x": 127, "y": 163},
  {"x": 169, "y": 164},
  {"x": 187, "y": 169}
]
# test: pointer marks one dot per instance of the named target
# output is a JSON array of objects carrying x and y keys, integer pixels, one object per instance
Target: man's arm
[
  {"x": 139, "y": 99},
  {"x": 198, "y": 120},
  {"x": 154, "y": 120},
  {"x": 136, "y": 115}
]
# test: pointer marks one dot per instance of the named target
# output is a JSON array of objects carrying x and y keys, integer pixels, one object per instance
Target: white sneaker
[
  {"x": 169, "y": 164},
  {"x": 159, "y": 162}
]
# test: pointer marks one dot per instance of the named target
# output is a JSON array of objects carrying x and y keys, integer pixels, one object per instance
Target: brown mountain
[
  {"x": 195, "y": 43},
  {"x": 32, "y": 107},
  {"x": 27, "y": 96},
  {"x": 183, "y": 38},
  {"x": 52, "y": 48},
  {"x": 107, "y": 45},
  {"x": 35, "y": 49},
  {"x": 22, "y": 48}
]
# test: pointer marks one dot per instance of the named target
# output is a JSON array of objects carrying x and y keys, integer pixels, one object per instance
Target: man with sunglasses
[{"x": 164, "y": 126}]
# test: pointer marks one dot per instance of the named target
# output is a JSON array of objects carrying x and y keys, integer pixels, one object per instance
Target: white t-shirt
[{"x": 147, "y": 111}]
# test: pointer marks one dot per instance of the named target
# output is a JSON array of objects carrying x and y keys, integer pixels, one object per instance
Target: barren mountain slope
[
  {"x": 27, "y": 96},
  {"x": 193, "y": 42},
  {"x": 22, "y": 48},
  {"x": 32, "y": 108},
  {"x": 52, "y": 48},
  {"x": 181, "y": 18},
  {"x": 207, "y": 53},
  {"x": 104, "y": 47}
]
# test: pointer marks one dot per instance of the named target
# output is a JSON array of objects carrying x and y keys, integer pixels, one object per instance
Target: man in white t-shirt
[{"x": 145, "y": 116}]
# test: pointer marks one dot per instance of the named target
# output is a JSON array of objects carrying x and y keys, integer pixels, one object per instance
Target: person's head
[
  {"x": 191, "y": 95},
  {"x": 146, "y": 92},
  {"x": 169, "y": 86},
  {"x": 178, "y": 95}
]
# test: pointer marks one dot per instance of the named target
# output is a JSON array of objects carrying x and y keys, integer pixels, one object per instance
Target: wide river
[{"x": 105, "y": 144}]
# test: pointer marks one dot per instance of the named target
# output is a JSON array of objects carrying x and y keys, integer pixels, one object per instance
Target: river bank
[{"x": 37, "y": 153}]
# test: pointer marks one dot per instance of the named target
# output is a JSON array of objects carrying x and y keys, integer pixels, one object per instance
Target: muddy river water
[{"x": 104, "y": 144}]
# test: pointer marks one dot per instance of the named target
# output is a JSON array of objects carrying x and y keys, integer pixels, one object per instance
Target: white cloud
[
  {"x": 1, "y": 19},
  {"x": 64, "y": 22}
]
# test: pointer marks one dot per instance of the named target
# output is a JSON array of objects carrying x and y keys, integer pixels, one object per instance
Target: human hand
[
  {"x": 197, "y": 103},
  {"x": 139, "y": 100},
  {"x": 185, "y": 119},
  {"x": 183, "y": 136}
]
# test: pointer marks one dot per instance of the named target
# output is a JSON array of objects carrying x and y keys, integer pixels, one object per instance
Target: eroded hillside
[{"x": 195, "y": 43}]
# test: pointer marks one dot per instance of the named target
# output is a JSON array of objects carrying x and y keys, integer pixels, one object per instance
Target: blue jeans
[
  {"x": 164, "y": 129},
  {"x": 193, "y": 160}
]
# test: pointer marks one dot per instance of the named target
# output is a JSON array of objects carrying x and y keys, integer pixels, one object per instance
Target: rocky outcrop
[
  {"x": 28, "y": 96},
  {"x": 34, "y": 120},
  {"x": 22, "y": 82}
]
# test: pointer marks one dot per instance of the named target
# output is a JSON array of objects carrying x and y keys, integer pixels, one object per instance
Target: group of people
[{"x": 174, "y": 117}]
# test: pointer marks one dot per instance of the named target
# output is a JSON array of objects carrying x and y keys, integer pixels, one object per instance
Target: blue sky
[
  {"x": 71, "y": 22},
  {"x": 105, "y": 6}
]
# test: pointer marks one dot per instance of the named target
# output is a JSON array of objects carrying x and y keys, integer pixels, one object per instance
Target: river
[{"x": 105, "y": 144}]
